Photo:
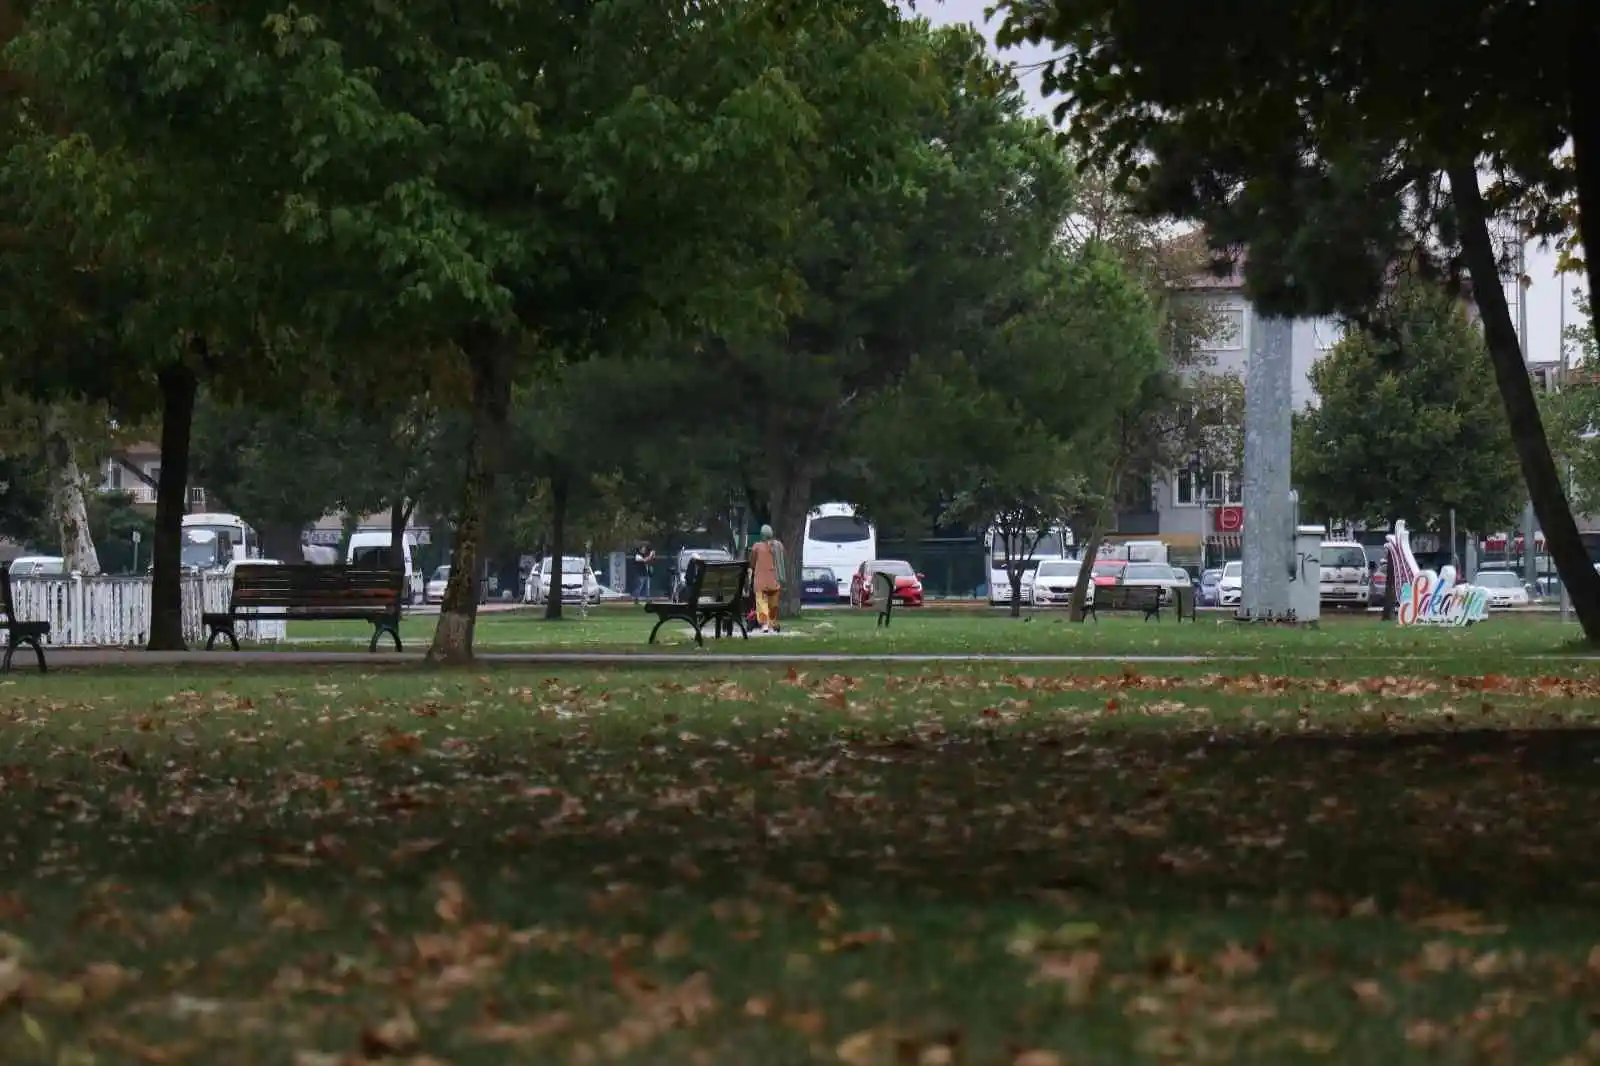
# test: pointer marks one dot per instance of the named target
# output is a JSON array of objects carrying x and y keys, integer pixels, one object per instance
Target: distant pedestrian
[
  {"x": 645, "y": 557},
  {"x": 769, "y": 573}
]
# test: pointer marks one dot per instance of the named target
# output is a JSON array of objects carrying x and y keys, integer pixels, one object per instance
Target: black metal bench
[
  {"x": 713, "y": 592},
  {"x": 307, "y": 592},
  {"x": 18, "y": 632},
  {"x": 1146, "y": 598}
]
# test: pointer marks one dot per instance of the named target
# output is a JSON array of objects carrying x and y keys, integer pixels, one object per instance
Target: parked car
[
  {"x": 1208, "y": 594},
  {"x": 578, "y": 583},
  {"x": 38, "y": 566},
  {"x": 680, "y": 572},
  {"x": 1054, "y": 581},
  {"x": 818, "y": 584},
  {"x": 1109, "y": 571},
  {"x": 433, "y": 591},
  {"x": 1230, "y": 588},
  {"x": 1157, "y": 574},
  {"x": 907, "y": 582},
  {"x": 1378, "y": 583},
  {"x": 609, "y": 594},
  {"x": 1504, "y": 587},
  {"x": 1344, "y": 580}
]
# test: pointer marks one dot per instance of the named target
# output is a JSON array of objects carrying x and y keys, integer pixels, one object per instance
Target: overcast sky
[{"x": 1544, "y": 296}]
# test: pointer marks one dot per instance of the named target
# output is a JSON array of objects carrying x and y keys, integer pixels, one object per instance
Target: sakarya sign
[{"x": 1425, "y": 598}]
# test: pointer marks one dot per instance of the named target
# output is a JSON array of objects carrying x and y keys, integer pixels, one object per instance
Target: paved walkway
[{"x": 98, "y": 657}]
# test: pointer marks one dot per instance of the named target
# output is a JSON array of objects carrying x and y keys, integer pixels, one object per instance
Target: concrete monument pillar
[{"x": 1268, "y": 512}]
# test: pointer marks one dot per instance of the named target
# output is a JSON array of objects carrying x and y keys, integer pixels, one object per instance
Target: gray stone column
[{"x": 1268, "y": 517}]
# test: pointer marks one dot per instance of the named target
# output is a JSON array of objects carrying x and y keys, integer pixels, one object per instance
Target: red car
[
  {"x": 907, "y": 582},
  {"x": 1109, "y": 571}
]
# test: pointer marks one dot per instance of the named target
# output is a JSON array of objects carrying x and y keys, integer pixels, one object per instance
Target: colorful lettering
[{"x": 1428, "y": 598}]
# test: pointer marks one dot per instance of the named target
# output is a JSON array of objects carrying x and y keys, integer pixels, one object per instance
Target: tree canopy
[
  {"x": 1345, "y": 159},
  {"x": 1407, "y": 423}
]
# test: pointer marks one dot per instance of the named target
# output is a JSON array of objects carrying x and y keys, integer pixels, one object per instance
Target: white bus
[
  {"x": 212, "y": 541},
  {"x": 1055, "y": 544},
  {"x": 839, "y": 539}
]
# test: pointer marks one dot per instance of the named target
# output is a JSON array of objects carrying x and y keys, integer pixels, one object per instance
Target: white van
[
  {"x": 370, "y": 547},
  {"x": 1345, "y": 578},
  {"x": 839, "y": 539},
  {"x": 38, "y": 566}
]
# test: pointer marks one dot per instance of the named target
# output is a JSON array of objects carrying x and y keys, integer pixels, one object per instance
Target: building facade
[{"x": 1199, "y": 513}]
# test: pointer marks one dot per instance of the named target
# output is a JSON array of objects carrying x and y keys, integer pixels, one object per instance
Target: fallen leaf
[
  {"x": 395, "y": 1036},
  {"x": 522, "y": 1032}
]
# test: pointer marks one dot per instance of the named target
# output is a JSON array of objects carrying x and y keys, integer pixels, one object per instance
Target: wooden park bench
[
  {"x": 713, "y": 592},
  {"x": 18, "y": 632},
  {"x": 307, "y": 592},
  {"x": 1146, "y": 598}
]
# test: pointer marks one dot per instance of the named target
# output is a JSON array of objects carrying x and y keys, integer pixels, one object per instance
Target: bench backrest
[
  {"x": 715, "y": 584},
  {"x": 882, "y": 587},
  {"x": 309, "y": 588},
  {"x": 1113, "y": 597}
]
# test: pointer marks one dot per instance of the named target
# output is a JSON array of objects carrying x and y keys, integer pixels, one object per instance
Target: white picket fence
[{"x": 114, "y": 612}]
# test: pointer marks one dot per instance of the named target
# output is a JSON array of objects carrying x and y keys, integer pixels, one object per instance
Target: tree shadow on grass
[{"x": 1486, "y": 819}]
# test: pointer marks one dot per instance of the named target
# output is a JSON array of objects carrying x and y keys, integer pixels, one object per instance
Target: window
[
  {"x": 1186, "y": 489},
  {"x": 197, "y": 497},
  {"x": 153, "y": 471},
  {"x": 1228, "y": 334},
  {"x": 114, "y": 476},
  {"x": 839, "y": 529},
  {"x": 1225, "y": 488},
  {"x": 1328, "y": 332}
]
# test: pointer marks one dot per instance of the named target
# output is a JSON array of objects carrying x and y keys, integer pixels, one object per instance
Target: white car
[
  {"x": 1505, "y": 588},
  {"x": 578, "y": 583},
  {"x": 1054, "y": 581},
  {"x": 1230, "y": 589},
  {"x": 433, "y": 592},
  {"x": 1160, "y": 575}
]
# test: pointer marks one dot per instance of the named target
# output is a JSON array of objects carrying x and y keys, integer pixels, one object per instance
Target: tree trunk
[
  {"x": 1391, "y": 594},
  {"x": 282, "y": 541},
  {"x": 1080, "y": 591},
  {"x": 559, "y": 496},
  {"x": 788, "y": 503},
  {"x": 1014, "y": 576},
  {"x": 400, "y": 517},
  {"x": 178, "y": 387},
  {"x": 1522, "y": 408},
  {"x": 490, "y": 361},
  {"x": 67, "y": 498},
  {"x": 1097, "y": 529}
]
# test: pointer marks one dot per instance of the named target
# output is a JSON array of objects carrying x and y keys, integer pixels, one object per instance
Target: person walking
[
  {"x": 645, "y": 557},
  {"x": 768, "y": 574}
]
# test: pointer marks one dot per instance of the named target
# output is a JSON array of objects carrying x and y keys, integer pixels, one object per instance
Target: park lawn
[
  {"x": 624, "y": 629},
  {"x": 950, "y": 864}
]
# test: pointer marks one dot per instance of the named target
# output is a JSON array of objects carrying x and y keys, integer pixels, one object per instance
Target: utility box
[{"x": 1305, "y": 578}]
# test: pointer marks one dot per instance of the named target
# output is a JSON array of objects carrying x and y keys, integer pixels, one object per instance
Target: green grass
[
  {"x": 967, "y": 632},
  {"x": 975, "y": 865}
]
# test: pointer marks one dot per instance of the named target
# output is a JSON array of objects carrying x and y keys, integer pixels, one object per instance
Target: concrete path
[{"x": 101, "y": 657}]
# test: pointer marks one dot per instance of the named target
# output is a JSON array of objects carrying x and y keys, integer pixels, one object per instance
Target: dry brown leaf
[
  {"x": 522, "y": 1032},
  {"x": 1370, "y": 993},
  {"x": 1038, "y": 1057},
  {"x": 394, "y": 1036},
  {"x": 866, "y": 1048}
]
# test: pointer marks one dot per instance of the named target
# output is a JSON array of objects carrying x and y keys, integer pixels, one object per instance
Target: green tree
[
  {"x": 929, "y": 198},
  {"x": 1344, "y": 158},
  {"x": 278, "y": 470},
  {"x": 527, "y": 172},
  {"x": 1011, "y": 435},
  {"x": 1407, "y": 423},
  {"x": 1573, "y": 414}
]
